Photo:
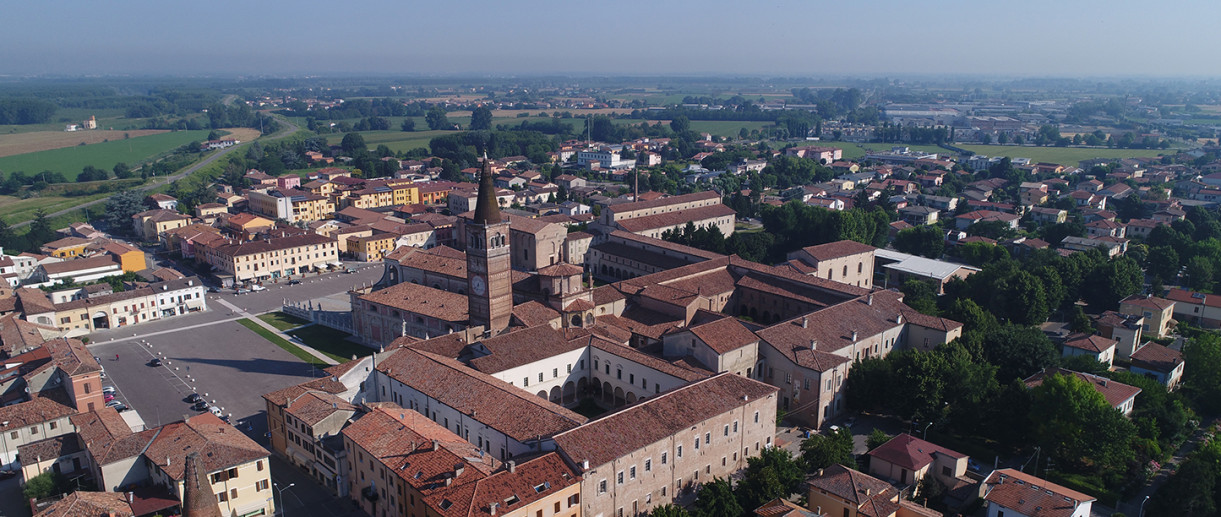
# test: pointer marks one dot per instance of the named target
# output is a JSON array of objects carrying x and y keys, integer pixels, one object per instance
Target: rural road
[{"x": 287, "y": 129}]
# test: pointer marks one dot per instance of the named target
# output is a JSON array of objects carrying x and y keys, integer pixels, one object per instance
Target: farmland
[
  {"x": 1061, "y": 155},
  {"x": 70, "y": 160},
  {"x": 21, "y": 143}
]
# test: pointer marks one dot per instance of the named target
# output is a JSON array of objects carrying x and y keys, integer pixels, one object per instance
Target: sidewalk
[{"x": 296, "y": 342}]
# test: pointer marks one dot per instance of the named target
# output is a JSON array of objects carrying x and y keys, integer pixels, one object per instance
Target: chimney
[
  {"x": 813, "y": 344},
  {"x": 584, "y": 464},
  {"x": 868, "y": 492},
  {"x": 869, "y": 299},
  {"x": 805, "y": 322},
  {"x": 820, "y": 472},
  {"x": 492, "y": 508},
  {"x": 436, "y": 445},
  {"x": 899, "y": 319},
  {"x": 458, "y": 469},
  {"x": 512, "y": 466},
  {"x": 854, "y": 336},
  {"x": 130, "y": 497}
]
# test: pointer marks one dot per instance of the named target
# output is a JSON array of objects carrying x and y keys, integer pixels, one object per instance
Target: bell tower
[{"x": 489, "y": 280}]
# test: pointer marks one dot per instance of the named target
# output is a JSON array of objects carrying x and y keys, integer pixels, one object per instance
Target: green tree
[
  {"x": 1193, "y": 489},
  {"x": 774, "y": 473},
  {"x": 1163, "y": 262},
  {"x": 481, "y": 119},
  {"x": 40, "y": 231},
  {"x": 1018, "y": 351},
  {"x": 1079, "y": 322},
  {"x": 716, "y": 499},
  {"x": 680, "y": 124},
  {"x": 1200, "y": 273},
  {"x": 43, "y": 486},
  {"x": 352, "y": 145},
  {"x": 821, "y": 451},
  {"x": 119, "y": 209},
  {"x": 1111, "y": 282},
  {"x": 927, "y": 241},
  {"x": 669, "y": 510},
  {"x": 1202, "y": 377},
  {"x": 1076, "y": 426},
  {"x": 122, "y": 171},
  {"x": 436, "y": 119},
  {"x": 408, "y": 124},
  {"x": 876, "y": 439}
]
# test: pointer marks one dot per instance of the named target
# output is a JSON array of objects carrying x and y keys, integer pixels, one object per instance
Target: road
[{"x": 288, "y": 129}]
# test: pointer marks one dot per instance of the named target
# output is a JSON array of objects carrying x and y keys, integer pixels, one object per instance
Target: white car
[
  {"x": 257, "y": 288},
  {"x": 214, "y": 410}
]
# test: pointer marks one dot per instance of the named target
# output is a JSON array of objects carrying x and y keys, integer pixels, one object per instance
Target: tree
[
  {"x": 1018, "y": 351},
  {"x": 927, "y": 241},
  {"x": 1202, "y": 381},
  {"x": 122, "y": 171},
  {"x": 1079, "y": 322},
  {"x": 1076, "y": 426},
  {"x": 876, "y": 439},
  {"x": 408, "y": 124},
  {"x": 1200, "y": 273},
  {"x": 1192, "y": 490},
  {"x": 353, "y": 145},
  {"x": 716, "y": 499},
  {"x": 481, "y": 119},
  {"x": 1111, "y": 282},
  {"x": 680, "y": 124},
  {"x": 43, "y": 486},
  {"x": 774, "y": 473},
  {"x": 119, "y": 209},
  {"x": 669, "y": 510},
  {"x": 821, "y": 451},
  {"x": 436, "y": 119},
  {"x": 40, "y": 230}
]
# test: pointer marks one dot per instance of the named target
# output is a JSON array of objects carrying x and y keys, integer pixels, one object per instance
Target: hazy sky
[{"x": 1067, "y": 38}]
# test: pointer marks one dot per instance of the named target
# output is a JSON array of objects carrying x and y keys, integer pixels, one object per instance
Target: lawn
[
  {"x": 15, "y": 210},
  {"x": 1060, "y": 155},
  {"x": 394, "y": 139},
  {"x": 331, "y": 342},
  {"x": 282, "y": 321},
  {"x": 70, "y": 160},
  {"x": 282, "y": 343}
]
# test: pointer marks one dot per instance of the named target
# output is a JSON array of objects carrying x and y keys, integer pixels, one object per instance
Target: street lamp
[
  {"x": 1142, "y": 506},
  {"x": 282, "y": 510},
  {"x": 930, "y": 424}
]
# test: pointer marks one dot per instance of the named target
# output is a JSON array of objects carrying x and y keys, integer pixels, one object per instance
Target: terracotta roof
[
  {"x": 560, "y": 269},
  {"x": 89, "y": 504},
  {"x": 1147, "y": 302},
  {"x": 274, "y": 244},
  {"x": 313, "y": 407},
  {"x": 724, "y": 335},
  {"x": 421, "y": 299},
  {"x": 17, "y": 334},
  {"x": 71, "y": 356},
  {"x": 1153, "y": 356},
  {"x": 67, "y": 242},
  {"x": 529, "y": 482},
  {"x": 658, "y": 418},
  {"x": 530, "y": 225},
  {"x": 675, "y": 218},
  {"x": 220, "y": 445},
  {"x": 533, "y": 313},
  {"x": 665, "y": 201},
  {"x": 510, "y": 410},
  {"x": 837, "y": 249},
  {"x": 1029, "y": 495},
  {"x": 1180, "y": 295},
  {"x": 1116, "y": 393},
  {"x": 440, "y": 259},
  {"x": 910, "y": 452},
  {"x": 870, "y": 495},
  {"x": 781, "y": 508},
  {"x": 50, "y": 448},
  {"x": 43, "y": 407},
  {"x": 68, "y": 266},
  {"x": 108, "y": 437},
  {"x": 525, "y": 346},
  {"x": 1091, "y": 343}
]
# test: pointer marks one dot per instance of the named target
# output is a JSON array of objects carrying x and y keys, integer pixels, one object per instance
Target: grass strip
[{"x": 282, "y": 343}]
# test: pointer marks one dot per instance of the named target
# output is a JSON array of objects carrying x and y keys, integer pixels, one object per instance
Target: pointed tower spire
[
  {"x": 487, "y": 210},
  {"x": 197, "y": 497}
]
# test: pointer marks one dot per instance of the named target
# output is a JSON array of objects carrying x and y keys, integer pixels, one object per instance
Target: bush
[{"x": 43, "y": 486}]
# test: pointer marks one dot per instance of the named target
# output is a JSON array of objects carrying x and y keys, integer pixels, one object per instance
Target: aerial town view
[{"x": 508, "y": 260}]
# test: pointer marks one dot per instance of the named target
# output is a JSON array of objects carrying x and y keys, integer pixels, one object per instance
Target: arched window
[{"x": 845, "y": 269}]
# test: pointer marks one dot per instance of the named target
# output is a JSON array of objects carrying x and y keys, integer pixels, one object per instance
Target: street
[{"x": 210, "y": 353}]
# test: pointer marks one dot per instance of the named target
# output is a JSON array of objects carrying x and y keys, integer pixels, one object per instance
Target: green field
[
  {"x": 333, "y": 343},
  {"x": 70, "y": 160},
  {"x": 15, "y": 210},
  {"x": 283, "y": 343},
  {"x": 282, "y": 321},
  {"x": 1061, "y": 155},
  {"x": 394, "y": 139},
  {"x": 107, "y": 118}
]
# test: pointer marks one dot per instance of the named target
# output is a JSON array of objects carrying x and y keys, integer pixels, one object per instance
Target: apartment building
[{"x": 272, "y": 257}]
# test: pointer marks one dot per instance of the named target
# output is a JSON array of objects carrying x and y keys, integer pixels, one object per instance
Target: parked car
[
  {"x": 214, "y": 410},
  {"x": 200, "y": 406},
  {"x": 257, "y": 287},
  {"x": 213, "y": 290},
  {"x": 121, "y": 407},
  {"x": 194, "y": 398},
  {"x": 241, "y": 291},
  {"x": 107, "y": 396},
  {"x": 108, "y": 389},
  {"x": 113, "y": 403},
  {"x": 294, "y": 282},
  {"x": 348, "y": 271},
  {"x": 155, "y": 362}
]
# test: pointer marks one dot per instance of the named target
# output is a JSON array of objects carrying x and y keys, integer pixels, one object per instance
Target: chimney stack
[
  {"x": 813, "y": 344},
  {"x": 512, "y": 466},
  {"x": 458, "y": 469},
  {"x": 805, "y": 322},
  {"x": 436, "y": 445},
  {"x": 492, "y": 508},
  {"x": 869, "y": 299},
  {"x": 854, "y": 336}
]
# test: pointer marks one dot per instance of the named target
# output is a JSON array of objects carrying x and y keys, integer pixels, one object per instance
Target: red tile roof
[
  {"x": 1029, "y": 495},
  {"x": 910, "y": 452},
  {"x": 220, "y": 445},
  {"x": 870, "y": 495},
  {"x": 668, "y": 219},
  {"x": 1091, "y": 343},
  {"x": 421, "y": 299},
  {"x": 658, "y": 418},
  {"x": 1147, "y": 302},
  {"x": 1115, "y": 392},
  {"x": 838, "y": 249},
  {"x": 1153, "y": 356}
]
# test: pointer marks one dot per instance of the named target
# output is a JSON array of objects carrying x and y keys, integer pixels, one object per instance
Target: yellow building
[
  {"x": 248, "y": 223},
  {"x": 151, "y": 224},
  {"x": 130, "y": 258},
  {"x": 382, "y": 193},
  {"x": 65, "y": 248},
  {"x": 371, "y": 248}
]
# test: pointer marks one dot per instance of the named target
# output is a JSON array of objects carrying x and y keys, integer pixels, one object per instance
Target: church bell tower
[{"x": 489, "y": 280}]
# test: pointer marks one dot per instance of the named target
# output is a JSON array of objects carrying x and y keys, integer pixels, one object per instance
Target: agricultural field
[
  {"x": 394, "y": 139},
  {"x": 70, "y": 160},
  {"x": 106, "y": 118},
  {"x": 34, "y": 141},
  {"x": 1061, "y": 155}
]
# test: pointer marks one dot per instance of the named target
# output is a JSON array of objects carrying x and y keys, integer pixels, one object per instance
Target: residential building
[
  {"x": 162, "y": 201},
  {"x": 1094, "y": 346},
  {"x": 838, "y": 490},
  {"x": 66, "y": 248},
  {"x": 1198, "y": 308},
  {"x": 906, "y": 460},
  {"x": 893, "y": 268},
  {"x": 919, "y": 215},
  {"x": 1158, "y": 313},
  {"x": 81, "y": 316},
  {"x": 576, "y": 246},
  {"x": 1125, "y": 329},
  {"x": 372, "y": 247},
  {"x": 149, "y": 225},
  {"x": 273, "y": 257},
  {"x": 1010, "y": 492},
  {"x": 1165, "y": 365},
  {"x": 1120, "y": 396},
  {"x": 291, "y": 205}
]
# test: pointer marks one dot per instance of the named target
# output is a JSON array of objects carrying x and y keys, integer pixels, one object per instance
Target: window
[
  {"x": 233, "y": 493},
  {"x": 568, "y": 369},
  {"x": 756, "y": 417},
  {"x": 663, "y": 458},
  {"x": 679, "y": 454},
  {"x": 222, "y": 497},
  {"x": 33, "y": 430},
  {"x": 557, "y": 507},
  {"x": 631, "y": 378},
  {"x": 540, "y": 376},
  {"x": 259, "y": 465},
  {"x": 13, "y": 435},
  {"x": 947, "y": 471},
  {"x": 697, "y": 443},
  {"x": 707, "y": 438},
  {"x": 648, "y": 464},
  {"x": 233, "y": 473},
  {"x": 53, "y": 426},
  {"x": 525, "y": 381},
  {"x": 602, "y": 487},
  {"x": 619, "y": 478},
  {"x": 260, "y": 485},
  {"x": 726, "y": 429},
  {"x": 735, "y": 426},
  {"x": 88, "y": 388}
]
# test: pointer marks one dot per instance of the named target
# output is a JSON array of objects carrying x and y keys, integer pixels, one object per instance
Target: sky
[{"x": 858, "y": 38}]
